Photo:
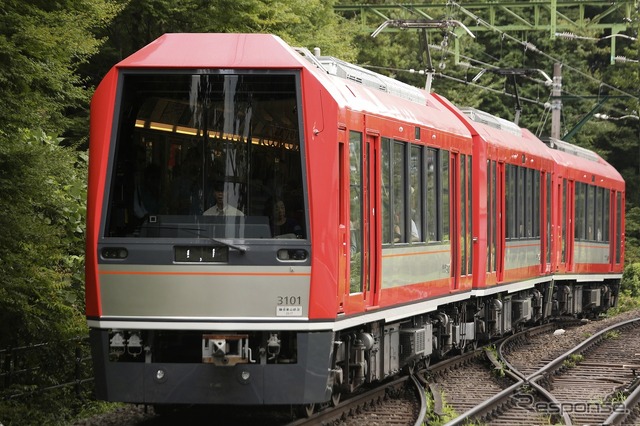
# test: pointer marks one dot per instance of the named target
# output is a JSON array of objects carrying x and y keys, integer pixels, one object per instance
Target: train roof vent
[
  {"x": 372, "y": 79},
  {"x": 491, "y": 120},
  {"x": 578, "y": 151}
]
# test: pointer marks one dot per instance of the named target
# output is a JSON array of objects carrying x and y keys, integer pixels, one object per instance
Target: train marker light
[
  {"x": 134, "y": 346},
  {"x": 117, "y": 343},
  {"x": 114, "y": 253},
  {"x": 273, "y": 345}
]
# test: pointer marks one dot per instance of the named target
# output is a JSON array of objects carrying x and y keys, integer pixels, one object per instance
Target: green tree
[
  {"x": 42, "y": 44},
  {"x": 42, "y": 209}
]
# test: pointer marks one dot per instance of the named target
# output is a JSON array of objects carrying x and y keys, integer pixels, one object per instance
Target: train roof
[
  {"x": 584, "y": 165},
  {"x": 214, "y": 50}
]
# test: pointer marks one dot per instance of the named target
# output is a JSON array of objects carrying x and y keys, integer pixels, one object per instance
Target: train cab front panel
[{"x": 199, "y": 280}]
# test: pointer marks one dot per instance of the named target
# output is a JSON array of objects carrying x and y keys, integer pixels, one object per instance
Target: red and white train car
[{"x": 270, "y": 227}]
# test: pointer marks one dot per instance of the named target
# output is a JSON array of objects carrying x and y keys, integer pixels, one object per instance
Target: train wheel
[
  {"x": 306, "y": 410},
  {"x": 335, "y": 398}
]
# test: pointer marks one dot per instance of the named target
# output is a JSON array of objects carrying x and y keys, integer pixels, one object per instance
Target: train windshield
[{"x": 215, "y": 155}]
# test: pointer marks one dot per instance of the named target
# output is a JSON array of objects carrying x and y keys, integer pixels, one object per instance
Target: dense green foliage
[{"x": 54, "y": 53}]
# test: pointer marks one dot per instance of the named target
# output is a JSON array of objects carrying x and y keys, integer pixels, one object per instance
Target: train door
[
  {"x": 363, "y": 253},
  {"x": 616, "y": 230},
  {"x": 455, "y": 225},
  {"x": 545, "y": 225},
  {"x": 566, "y": 232},
  {"x": 500, "y": 222}
]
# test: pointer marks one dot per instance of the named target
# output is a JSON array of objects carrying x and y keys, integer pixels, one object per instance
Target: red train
[{"x": 268, "y": 226}]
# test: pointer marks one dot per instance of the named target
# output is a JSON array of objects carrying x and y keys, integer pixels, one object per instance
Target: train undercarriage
[{"x": 379, "y": 350}]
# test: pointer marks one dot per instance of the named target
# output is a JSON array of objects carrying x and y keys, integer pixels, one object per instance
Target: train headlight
[
  {"x": 292, "y": 254},
  {"x": 114, "y": 253}
]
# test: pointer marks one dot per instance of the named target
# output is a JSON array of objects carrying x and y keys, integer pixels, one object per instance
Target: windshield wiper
[{"x": 241, "y": 249}]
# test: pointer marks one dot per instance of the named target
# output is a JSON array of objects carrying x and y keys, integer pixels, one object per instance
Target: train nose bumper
[{"x": 204, "y": 383}]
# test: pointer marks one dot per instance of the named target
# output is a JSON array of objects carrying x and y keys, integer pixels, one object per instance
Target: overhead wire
[{"x": 530, "y": 46}]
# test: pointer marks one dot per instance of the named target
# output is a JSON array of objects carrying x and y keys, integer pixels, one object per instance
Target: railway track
[
  {"x": 595, "y": 382},
  {"x": 399, "y": 402}
]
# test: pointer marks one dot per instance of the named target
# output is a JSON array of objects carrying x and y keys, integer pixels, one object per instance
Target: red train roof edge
[{"x": 214, "y": 50}]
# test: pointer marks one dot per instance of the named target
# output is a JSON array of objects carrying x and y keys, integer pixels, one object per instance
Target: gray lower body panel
[{"x": 194, "y": 383}]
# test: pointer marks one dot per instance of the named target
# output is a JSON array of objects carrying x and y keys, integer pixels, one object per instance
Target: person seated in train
[
  {"x": 281, "y": 225},
  {"x": 221, "y": 207},
  {"x": 397, "y": 232}
]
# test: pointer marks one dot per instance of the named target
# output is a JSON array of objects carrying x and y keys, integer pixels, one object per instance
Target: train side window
[
  {"x": 491, "y": 214},
  {"x": 399, "y": 203},
  {"x": 606, "y": 217},
  {"x": 432, "y": 195},
  {"x": 618, "y": 246},
  {"x": 444, "y": 195},
  {"x": 590, "y": 207},
  {"x": 580, "y": 199},
  {"x": 537, "y": 214},
  {"x": 549, "y": 210},
  {"x": 466, "y": 199},
  {"x": 563, "y": 213},
  {"x": 598, "y": 214},
  {"x": 470, "y": 215},
  {"x": 528, "y": 202},
  {"x": 464, "y": 223},
  {"x": 355, "y": 184},
  {"x": 416, "y": 193},
  {"x": 510, "y": 213},
  {"x": 386, "y": 194},
  {"x": 520, "y": 202}
]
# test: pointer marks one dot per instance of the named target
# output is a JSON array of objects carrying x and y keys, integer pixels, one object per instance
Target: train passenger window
[
  {"x": 491, "y": 215},
  {"x": 470, "y": 215},
  {"x": 466, "y": 213},
  {"x": 590, "y": 207},
  {"x": 618, "y": 243},
  {"x": 415, "y": 193},
  {"x": 511, "y": 177},
  {"x": 580, "y": 201},
  {"x": 399, "y": 203},
  {"x": 432, "y": 195},
  {"x": 549, "y": 210},
  {"x": 520, "y": 202},
  {"x": 535, "y": 232},
  {"x": 386, "y": 194},
  {"x": 528, "y": 203},
  {"x": 563, "y": 213},
  {"x": 355, "y": 185},
  {"x": 606, "y": 217},
  {"x": 464, "y": 222},
  {"x": 599, "y": 214},
  {"x": 182, "y": 138},
  {"x": 444, "y": 195}
]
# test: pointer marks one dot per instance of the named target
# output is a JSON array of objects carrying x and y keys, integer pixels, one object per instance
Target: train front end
[{"x": 198, "y": 249}]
